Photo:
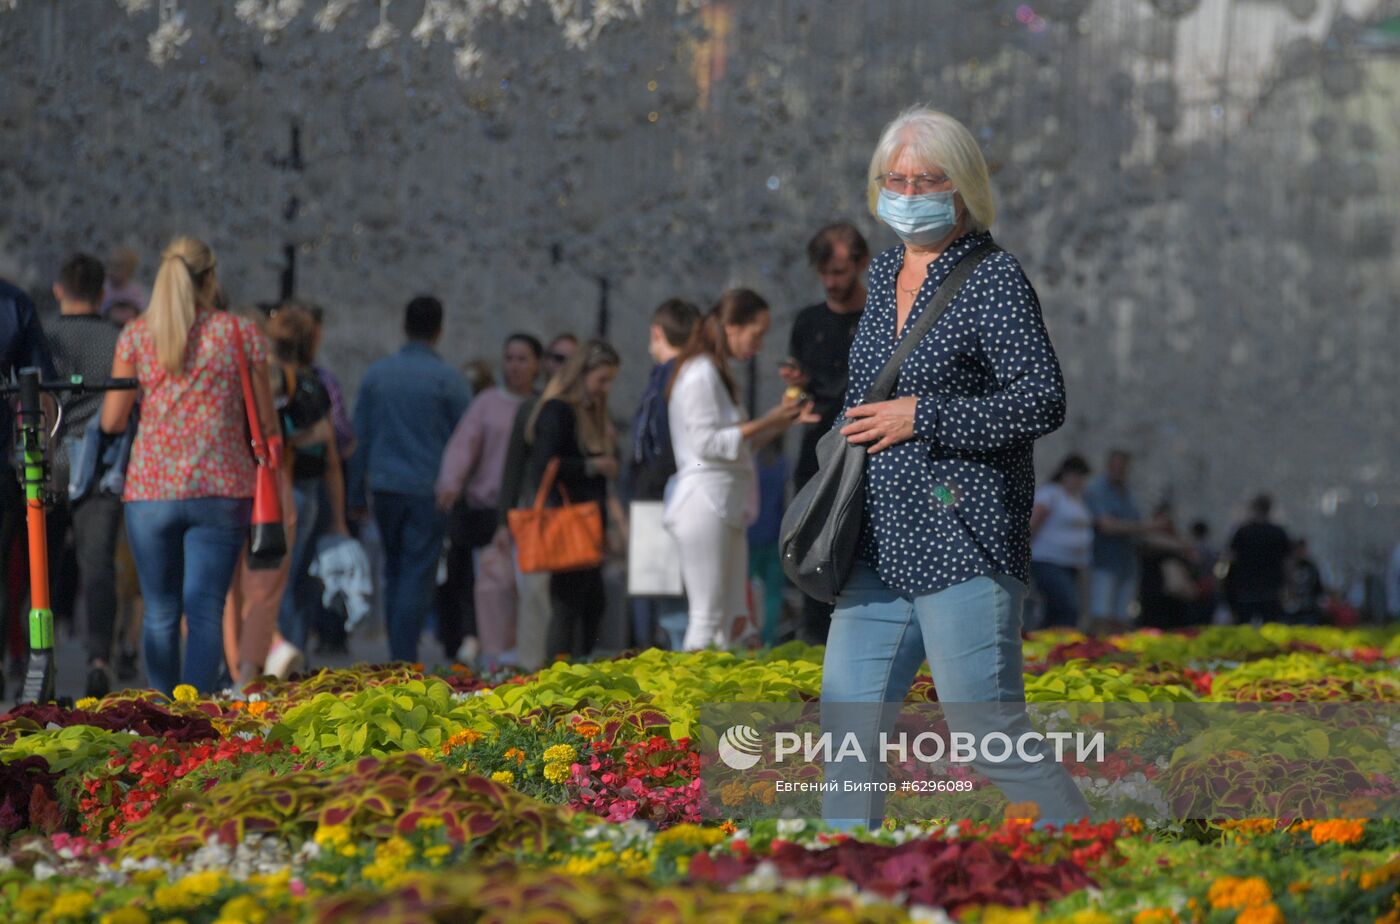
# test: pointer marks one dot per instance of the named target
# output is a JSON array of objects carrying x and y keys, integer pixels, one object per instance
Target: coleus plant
[
  {"x": 952, "y": 874},
  {"x": 372, "y": 797},
  {"x": 132, "y": 715},
  {"x": 27, "y": 796}
]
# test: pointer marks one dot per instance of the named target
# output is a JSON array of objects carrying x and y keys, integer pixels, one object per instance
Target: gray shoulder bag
[{"x": 822, "y": 524}]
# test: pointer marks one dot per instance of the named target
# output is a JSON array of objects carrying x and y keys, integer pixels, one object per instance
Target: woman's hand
[
  {"x": 884, "y": 423},
  {"x": 502, "y": 540},
  {"x": 791, "y": 412}
]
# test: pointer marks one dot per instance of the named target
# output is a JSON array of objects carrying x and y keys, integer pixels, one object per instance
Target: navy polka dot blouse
[{"x": 954, "y": 502}]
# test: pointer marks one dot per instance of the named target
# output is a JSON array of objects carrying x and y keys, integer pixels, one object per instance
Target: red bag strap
[
  {"x": 551, "y": 474},
  {"x": 260, "y": 452}
]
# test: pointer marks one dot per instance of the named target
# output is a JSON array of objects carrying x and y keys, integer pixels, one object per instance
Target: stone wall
[{"x": 1203, "y": 191}]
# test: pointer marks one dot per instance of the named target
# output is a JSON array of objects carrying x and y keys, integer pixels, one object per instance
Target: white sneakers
[
  {"x": 283, "y": 660},
  {"x": 469, "y": 651}
]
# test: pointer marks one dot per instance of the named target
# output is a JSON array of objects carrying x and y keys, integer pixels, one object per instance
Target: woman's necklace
[{"x": 914, "y": 289}]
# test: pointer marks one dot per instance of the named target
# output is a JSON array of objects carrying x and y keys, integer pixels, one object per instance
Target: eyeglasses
[
  {"x": 560, "y": 358},
  {"x": 923, "y": 183}
]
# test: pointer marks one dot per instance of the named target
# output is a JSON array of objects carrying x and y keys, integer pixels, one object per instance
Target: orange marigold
[
  {"x": 465, "y": 736},
  {"x": 589, "y": 730},
  {"x": 1338, "y": 831},
  {"x": 1380, "y": 875},
  {"x": 257, "y": 708},
  {"x": 1239, "y": 892},
  {"x": 733, "y": 793},
  {"x": 1260, "y": 914},
  {"x": 1022, "y": 811},
  {"x": 514, "y": 754},
  {"x": 1156, "y": 916}
]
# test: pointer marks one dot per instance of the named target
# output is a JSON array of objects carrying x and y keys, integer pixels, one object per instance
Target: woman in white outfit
[{"x": 712, "y": 496}]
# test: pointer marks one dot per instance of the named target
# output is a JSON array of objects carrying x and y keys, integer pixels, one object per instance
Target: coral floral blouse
[{"x": 193, "y": 436}]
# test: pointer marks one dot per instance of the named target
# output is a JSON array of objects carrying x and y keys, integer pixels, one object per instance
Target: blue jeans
[
  {"x": 971, "y": 635},
  {"x": 302, "y": 593},
  {"x": 1059, "y": 589},
  {"x": 1111, "y": 594},
  {"x": 185, "y": 553},
  {"x": 411, "y": 531}
]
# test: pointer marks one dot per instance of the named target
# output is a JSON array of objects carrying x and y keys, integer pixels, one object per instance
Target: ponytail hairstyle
[
  {"x": 737, "y": 308},
  {"x": 596, "y": 435},
  {"x": 186, "y": 266}
]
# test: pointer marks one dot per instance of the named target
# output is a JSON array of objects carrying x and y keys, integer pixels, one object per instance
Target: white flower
[
  {"x": 634, "y": 828},
  {"x": 43, "y": 870},
  {"x": 790, "y": 826},
  {"x": 764, "y": 878},
  {"x": 923, "y": 914}
]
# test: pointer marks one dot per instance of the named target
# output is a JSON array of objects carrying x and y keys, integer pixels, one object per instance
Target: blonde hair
[
  {"x": 936, "y": 139},
  {"x": 185, "y": 266},
  {"x": 596, "y": 435}
]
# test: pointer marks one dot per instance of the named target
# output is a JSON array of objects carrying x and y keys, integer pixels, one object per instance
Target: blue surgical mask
[{"x": 919, "y": 220}]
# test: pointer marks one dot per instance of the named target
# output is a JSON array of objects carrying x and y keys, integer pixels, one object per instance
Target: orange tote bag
[{"x": 567, "y": 538}]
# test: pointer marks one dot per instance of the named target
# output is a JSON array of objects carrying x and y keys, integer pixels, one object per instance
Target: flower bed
[{"x": 393, "y": 794}]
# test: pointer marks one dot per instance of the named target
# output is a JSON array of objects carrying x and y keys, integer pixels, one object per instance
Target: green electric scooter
[{"x": 33, "y": 468}]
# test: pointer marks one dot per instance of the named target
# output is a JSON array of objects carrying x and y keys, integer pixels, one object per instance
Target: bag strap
[
  {"x": 255, "y": 434},
  {"x": 948, "y": 289},
  {"x": 551, "y": 474}
]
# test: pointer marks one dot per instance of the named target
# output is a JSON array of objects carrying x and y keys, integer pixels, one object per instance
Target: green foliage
[
  {"x": 73, "y": 748},
  {"x": 375, "y": 721},
  {"x": 1083, "y": 681},
  {"x": 1218, "y": 643},
  {"x": 674, "y": 683}
]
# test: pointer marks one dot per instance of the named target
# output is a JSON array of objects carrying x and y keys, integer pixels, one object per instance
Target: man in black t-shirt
[
  {"x": 82, "y": 530},
  {"x": 1258, "y": 555},
  {"x": 818, "y": 352},
  {"x": 822, "y": 333}
]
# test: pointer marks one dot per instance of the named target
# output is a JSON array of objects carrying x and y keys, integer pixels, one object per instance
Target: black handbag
[{"x": 822, "y": 525}]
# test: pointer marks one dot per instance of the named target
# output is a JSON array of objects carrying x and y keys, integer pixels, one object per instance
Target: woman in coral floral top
[{"x": 190, "y": 482}]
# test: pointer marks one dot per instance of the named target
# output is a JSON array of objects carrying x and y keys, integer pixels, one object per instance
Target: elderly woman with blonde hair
[{"x": 943, "y": 556}]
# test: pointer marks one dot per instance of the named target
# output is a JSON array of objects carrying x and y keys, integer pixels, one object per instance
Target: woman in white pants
[{"x": 712, "y": 497}]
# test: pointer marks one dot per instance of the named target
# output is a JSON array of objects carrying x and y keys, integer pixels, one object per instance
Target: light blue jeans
[
  {"x": 185, "y": 553},
  {"x": 971, "y": 635}
]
